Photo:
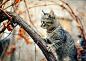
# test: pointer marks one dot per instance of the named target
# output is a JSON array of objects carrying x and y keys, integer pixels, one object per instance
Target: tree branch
[{"x": 34, "y": 35}]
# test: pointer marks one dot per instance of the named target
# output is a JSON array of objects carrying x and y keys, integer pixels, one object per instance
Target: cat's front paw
[{"x": 49, "y": 47}]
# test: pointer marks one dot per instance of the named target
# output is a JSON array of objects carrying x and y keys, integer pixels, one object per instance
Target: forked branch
[{"x": 8, "y": 23}]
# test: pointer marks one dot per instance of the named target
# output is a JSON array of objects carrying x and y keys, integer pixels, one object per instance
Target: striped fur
[{"x": 61, "y": 41}]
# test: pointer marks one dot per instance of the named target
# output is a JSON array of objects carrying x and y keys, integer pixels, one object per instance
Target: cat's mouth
[{"x": 45, "y": 24}]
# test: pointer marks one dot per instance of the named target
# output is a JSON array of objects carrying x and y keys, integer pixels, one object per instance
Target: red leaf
[
  {"x": 20, "y": 12},
  {"x": 17, "y": 1},
  {"x": 7, "y": 52},
  {"x": 9, "y": 28},
  {"x": 13, "y": 47}
]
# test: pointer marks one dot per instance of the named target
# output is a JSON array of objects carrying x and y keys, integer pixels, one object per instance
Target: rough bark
[{"x": 34, "y": 35}]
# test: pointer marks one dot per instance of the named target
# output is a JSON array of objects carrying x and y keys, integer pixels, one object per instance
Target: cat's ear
[
  {"x": 51, "y": 14},
  {"x": 43, "y": 12}
]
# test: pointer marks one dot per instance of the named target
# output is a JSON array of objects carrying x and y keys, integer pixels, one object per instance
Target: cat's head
[{"x": 47, "y": 19}]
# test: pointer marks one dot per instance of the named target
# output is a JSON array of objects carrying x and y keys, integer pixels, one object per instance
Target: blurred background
[{"x": 26, "y": 49}]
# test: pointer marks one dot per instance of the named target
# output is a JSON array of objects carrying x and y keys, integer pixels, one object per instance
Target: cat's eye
[
  {"x": 43, "y": 21},
  {"x": 49, "y": 16}
]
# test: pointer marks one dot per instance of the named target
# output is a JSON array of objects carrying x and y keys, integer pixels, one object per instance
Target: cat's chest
[{"x": 53, "y": 35}]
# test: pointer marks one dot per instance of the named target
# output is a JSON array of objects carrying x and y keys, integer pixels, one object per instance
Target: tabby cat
[{"x": 58, "y": 39}]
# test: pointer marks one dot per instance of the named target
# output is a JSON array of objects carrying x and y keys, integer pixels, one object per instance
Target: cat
[{"x": 58, "y": 39}]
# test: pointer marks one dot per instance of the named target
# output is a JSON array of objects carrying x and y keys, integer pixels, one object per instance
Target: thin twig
[
  {"x": 72, "y": 12},
  {"x": 34, "y": 6},
  {"x": 4, "y": 47},
  {"x": 16, "y": 6},
  {"x": 5, "y": 13},
  {"x": 9, "y": 22},
  {"x": 47, "y": 5},
  {"x": 18, "y": 35},
  {"x": 30, "y": 20},
  {"x": 28, "y": 12},
  {"x": 9, "y": 6},
  {"x": 4, "y": 3}
]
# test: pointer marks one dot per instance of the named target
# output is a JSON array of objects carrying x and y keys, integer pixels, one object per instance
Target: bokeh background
[{"x": 26, "y": 49}]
